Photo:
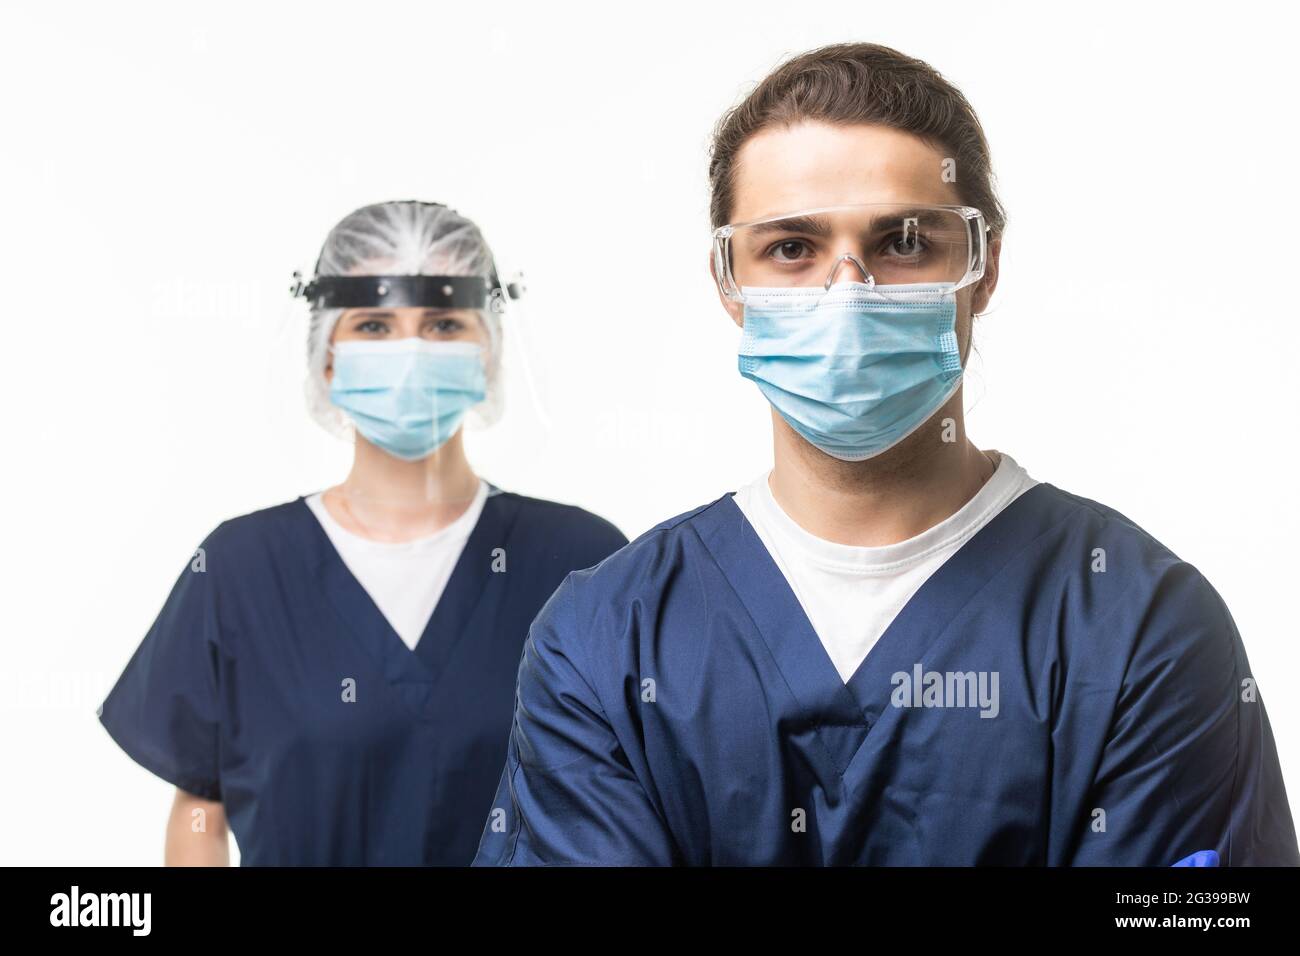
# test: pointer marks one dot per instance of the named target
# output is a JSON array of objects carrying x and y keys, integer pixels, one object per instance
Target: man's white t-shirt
[
  {"x": 405, "y": 579},
  {"x": 851, "y": 594}
]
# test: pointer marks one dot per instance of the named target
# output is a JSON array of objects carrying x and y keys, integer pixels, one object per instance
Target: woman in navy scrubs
[{"x": 332, "y": 679}]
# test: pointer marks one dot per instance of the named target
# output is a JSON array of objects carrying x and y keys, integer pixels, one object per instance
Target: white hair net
[{"x": 400, "y": 238}]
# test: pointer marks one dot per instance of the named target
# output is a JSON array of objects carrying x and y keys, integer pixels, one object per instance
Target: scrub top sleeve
[
  {"x": 163, "y": 709},
  {"x": 568, "y": 795},
  {"x": 1190, "y": 763}
]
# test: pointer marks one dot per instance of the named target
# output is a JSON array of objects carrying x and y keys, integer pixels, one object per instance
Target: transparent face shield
[
  {"x": 442, "y": 364},
  {"x": 891, "y": 248}
]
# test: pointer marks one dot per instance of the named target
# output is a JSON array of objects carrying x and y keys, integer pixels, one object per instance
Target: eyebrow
[
  {"x": 819, "y": 226},
  {"x": 368, "y": 314},
  {"x": 813, "y": 225}
]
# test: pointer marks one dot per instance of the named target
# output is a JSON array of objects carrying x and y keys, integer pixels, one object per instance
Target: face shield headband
[{"x": 399, "y": 291}]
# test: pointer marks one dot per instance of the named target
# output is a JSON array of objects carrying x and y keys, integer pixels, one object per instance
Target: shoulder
[
  {"x": 648, "y": 563},
  {"x": 1121, "y": 584},
  {"x": 594, "y": 618},
  {"x": 564, "y": 527},
  {"x": 250, "y": 539},
  {"x": 673, "y": 537},
  {"x": 1111, "y": 540},
  {"x": 257, "y": 525},
  {"x": 553, "y": 515}
]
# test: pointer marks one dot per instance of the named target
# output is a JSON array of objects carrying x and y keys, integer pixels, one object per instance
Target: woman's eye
[
  {"x": 789, "y": 250},
  {"x": 372, "y": 326},
  {"x": 447, "y": 326}
]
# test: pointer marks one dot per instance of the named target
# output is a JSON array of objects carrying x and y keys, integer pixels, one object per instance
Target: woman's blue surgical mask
[
  {"x": 853, "y": 369},
  {"x": 407, "y": 396}
]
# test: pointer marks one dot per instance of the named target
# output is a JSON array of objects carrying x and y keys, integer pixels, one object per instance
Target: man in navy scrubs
[{"x": 894, "y": 648}]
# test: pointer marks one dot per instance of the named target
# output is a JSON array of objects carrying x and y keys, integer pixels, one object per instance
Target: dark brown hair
[{"x": 860, "y": 83}]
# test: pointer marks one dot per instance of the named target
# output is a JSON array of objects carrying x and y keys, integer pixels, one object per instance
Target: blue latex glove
[{"x": 1200, "y": 858}]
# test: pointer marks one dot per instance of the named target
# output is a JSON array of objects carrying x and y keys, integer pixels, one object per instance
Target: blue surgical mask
[
  {"x": 407, "y": 396},
  {"x": 853, "y": 369}
]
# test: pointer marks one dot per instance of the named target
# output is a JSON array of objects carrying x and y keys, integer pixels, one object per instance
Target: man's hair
[{"x": 860, "y": 83}]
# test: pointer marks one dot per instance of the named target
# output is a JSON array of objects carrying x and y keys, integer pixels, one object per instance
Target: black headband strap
[{"x": 358, "y": 292}]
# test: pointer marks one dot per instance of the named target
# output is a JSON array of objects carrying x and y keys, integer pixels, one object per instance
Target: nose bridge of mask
[
  {"x": 409, "y": 363},
  {"x": 407, "y": 346},
  {"x": 849, "y": 328},
  {"x": 809, "y": 298},
  {"x": 853, "y": 317}
]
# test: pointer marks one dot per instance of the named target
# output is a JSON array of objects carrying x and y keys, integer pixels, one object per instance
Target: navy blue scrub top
[
  {"x": 240, "y": 690},
  {"x": 675, "y": 706}
]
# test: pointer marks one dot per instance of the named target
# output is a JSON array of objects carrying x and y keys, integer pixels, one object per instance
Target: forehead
[{"x": 812, "y": 164}]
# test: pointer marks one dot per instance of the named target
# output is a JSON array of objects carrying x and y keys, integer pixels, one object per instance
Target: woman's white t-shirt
[{"x": 405, "y": 579}]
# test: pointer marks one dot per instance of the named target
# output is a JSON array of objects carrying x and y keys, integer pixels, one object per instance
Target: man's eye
[
  {"x": 902, "y": 246},
  {"x": 789, "y": 250}
]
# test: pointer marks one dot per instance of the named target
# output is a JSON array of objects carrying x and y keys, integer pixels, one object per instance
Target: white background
[{"x": 165, "y": 171}]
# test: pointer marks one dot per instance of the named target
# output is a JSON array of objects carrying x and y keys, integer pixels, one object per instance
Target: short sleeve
[
  {"x": 1190, "y": 763},
  {"x": 568, "y": 795},
  {"x": 163, "y": 710}
]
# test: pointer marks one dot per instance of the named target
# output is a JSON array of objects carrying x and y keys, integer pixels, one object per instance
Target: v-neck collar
[
  {"x": 843, "y": 712},
  {"x": 416, "y": 670},
  {"x": 449, "y": 621},
  {"x": 940, "y": 598}
]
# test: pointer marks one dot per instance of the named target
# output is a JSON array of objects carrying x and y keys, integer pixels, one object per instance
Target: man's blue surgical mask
[
  {"x": 407, "y": 396},
  {"x": 853, "y": 369}
]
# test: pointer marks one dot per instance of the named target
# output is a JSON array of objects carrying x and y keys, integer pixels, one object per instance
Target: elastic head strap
[{"x": 358, "y": 292}]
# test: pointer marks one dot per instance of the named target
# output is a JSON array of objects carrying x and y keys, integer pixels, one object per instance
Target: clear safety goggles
[{"x": 884, "y": 245}]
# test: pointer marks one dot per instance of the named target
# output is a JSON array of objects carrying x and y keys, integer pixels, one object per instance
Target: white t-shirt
[
  {"x": 851, "y": 594},
  {"x": 405, "y": 579}
]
